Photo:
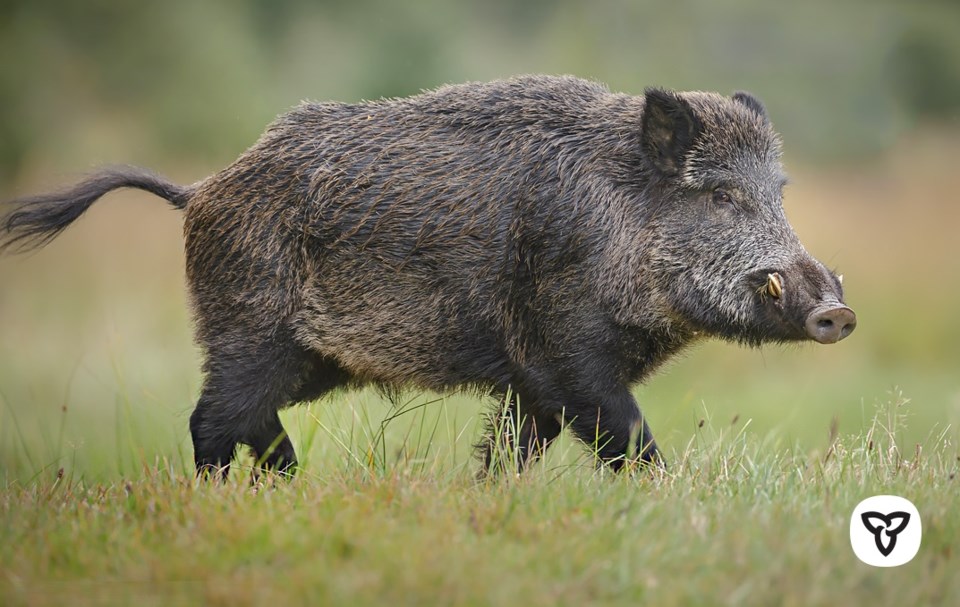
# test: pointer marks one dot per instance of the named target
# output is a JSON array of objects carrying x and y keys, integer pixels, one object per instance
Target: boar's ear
[
  {"x": 752, "y": 103},
  {"x": 668, "y": 130}
]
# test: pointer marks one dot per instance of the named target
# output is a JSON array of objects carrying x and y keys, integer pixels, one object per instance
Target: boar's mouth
[{"x": 825, "y": 319}]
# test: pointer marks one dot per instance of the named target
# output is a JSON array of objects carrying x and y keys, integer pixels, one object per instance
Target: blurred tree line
[{"x": 194, "y": 82}]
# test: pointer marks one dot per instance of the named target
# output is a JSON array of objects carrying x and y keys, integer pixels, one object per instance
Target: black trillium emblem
[{"x": 885, "y": 528}]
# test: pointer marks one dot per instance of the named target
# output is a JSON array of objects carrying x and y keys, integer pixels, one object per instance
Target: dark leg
[
  {"x": 272, "y": 449},
  {"x": 213, "y": 446},
  {"x": 615, "y": 429},
  {"x": 516, "y": 437},
  {"x": 245, "y": 385},
  {"x": 233, "y": 413}
]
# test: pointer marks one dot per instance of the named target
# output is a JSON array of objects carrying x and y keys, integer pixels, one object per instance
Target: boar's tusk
[{"x": 774, "y": 286}]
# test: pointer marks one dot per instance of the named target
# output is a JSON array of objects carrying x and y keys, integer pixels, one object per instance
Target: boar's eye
[{"x": 722, "y": 197}]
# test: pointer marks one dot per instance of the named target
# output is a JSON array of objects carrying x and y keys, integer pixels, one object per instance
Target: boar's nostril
[{"x": 831, "y": 324}]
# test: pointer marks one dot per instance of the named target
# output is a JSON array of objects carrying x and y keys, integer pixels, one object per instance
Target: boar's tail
[{"x": 33, "y": 221}]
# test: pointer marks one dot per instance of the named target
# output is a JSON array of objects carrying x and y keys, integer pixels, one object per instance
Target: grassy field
[{"x": 98, "y": 376}]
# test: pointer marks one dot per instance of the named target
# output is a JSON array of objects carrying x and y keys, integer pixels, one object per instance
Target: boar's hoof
[{"x": 830, "y": 324}]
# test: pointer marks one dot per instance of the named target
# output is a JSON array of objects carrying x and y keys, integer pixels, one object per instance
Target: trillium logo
[
  {"x": 885, "y": 528},
  {"x": 885, "y": 531}
]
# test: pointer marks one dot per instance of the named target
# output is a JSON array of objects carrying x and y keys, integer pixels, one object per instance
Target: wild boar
[{"x": 540, "y": 237}]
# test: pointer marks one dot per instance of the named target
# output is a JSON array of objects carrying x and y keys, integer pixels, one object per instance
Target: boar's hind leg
[
  {"x": 516, "y": 436},
  {"x": 243, "y": 389},
  {"x": 214, "y": 436},
  {"x": 272, "y": 449},
  {"x": 615, "y": 429}
]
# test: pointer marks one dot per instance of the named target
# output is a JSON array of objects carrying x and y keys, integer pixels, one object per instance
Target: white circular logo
[{"x": 885, "y": 531}]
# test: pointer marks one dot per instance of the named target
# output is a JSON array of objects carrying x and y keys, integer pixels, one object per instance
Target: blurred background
[{"x": 98, "y": 373}]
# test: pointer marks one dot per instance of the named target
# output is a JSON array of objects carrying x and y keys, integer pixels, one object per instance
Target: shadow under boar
[{"x": 539, "y": 237}]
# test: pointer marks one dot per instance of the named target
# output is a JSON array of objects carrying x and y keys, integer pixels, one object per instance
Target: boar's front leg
[
  {"x": 517, "y": 435},
  {"x": 613, "y": 426}
]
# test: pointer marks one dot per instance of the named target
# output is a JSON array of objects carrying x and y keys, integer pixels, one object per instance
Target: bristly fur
[{"x": 539, "y": 236}]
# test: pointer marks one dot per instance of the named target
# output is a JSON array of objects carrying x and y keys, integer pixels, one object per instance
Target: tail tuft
[{"x": 33, "y": 221}]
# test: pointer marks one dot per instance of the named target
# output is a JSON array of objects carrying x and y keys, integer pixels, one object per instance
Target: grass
[
  {"x": 769, "y": 450},
  {"x": 733, "y": 521}
]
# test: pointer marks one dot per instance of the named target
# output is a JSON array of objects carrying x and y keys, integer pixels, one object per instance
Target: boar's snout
[{"x": 830, "y": 323}]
